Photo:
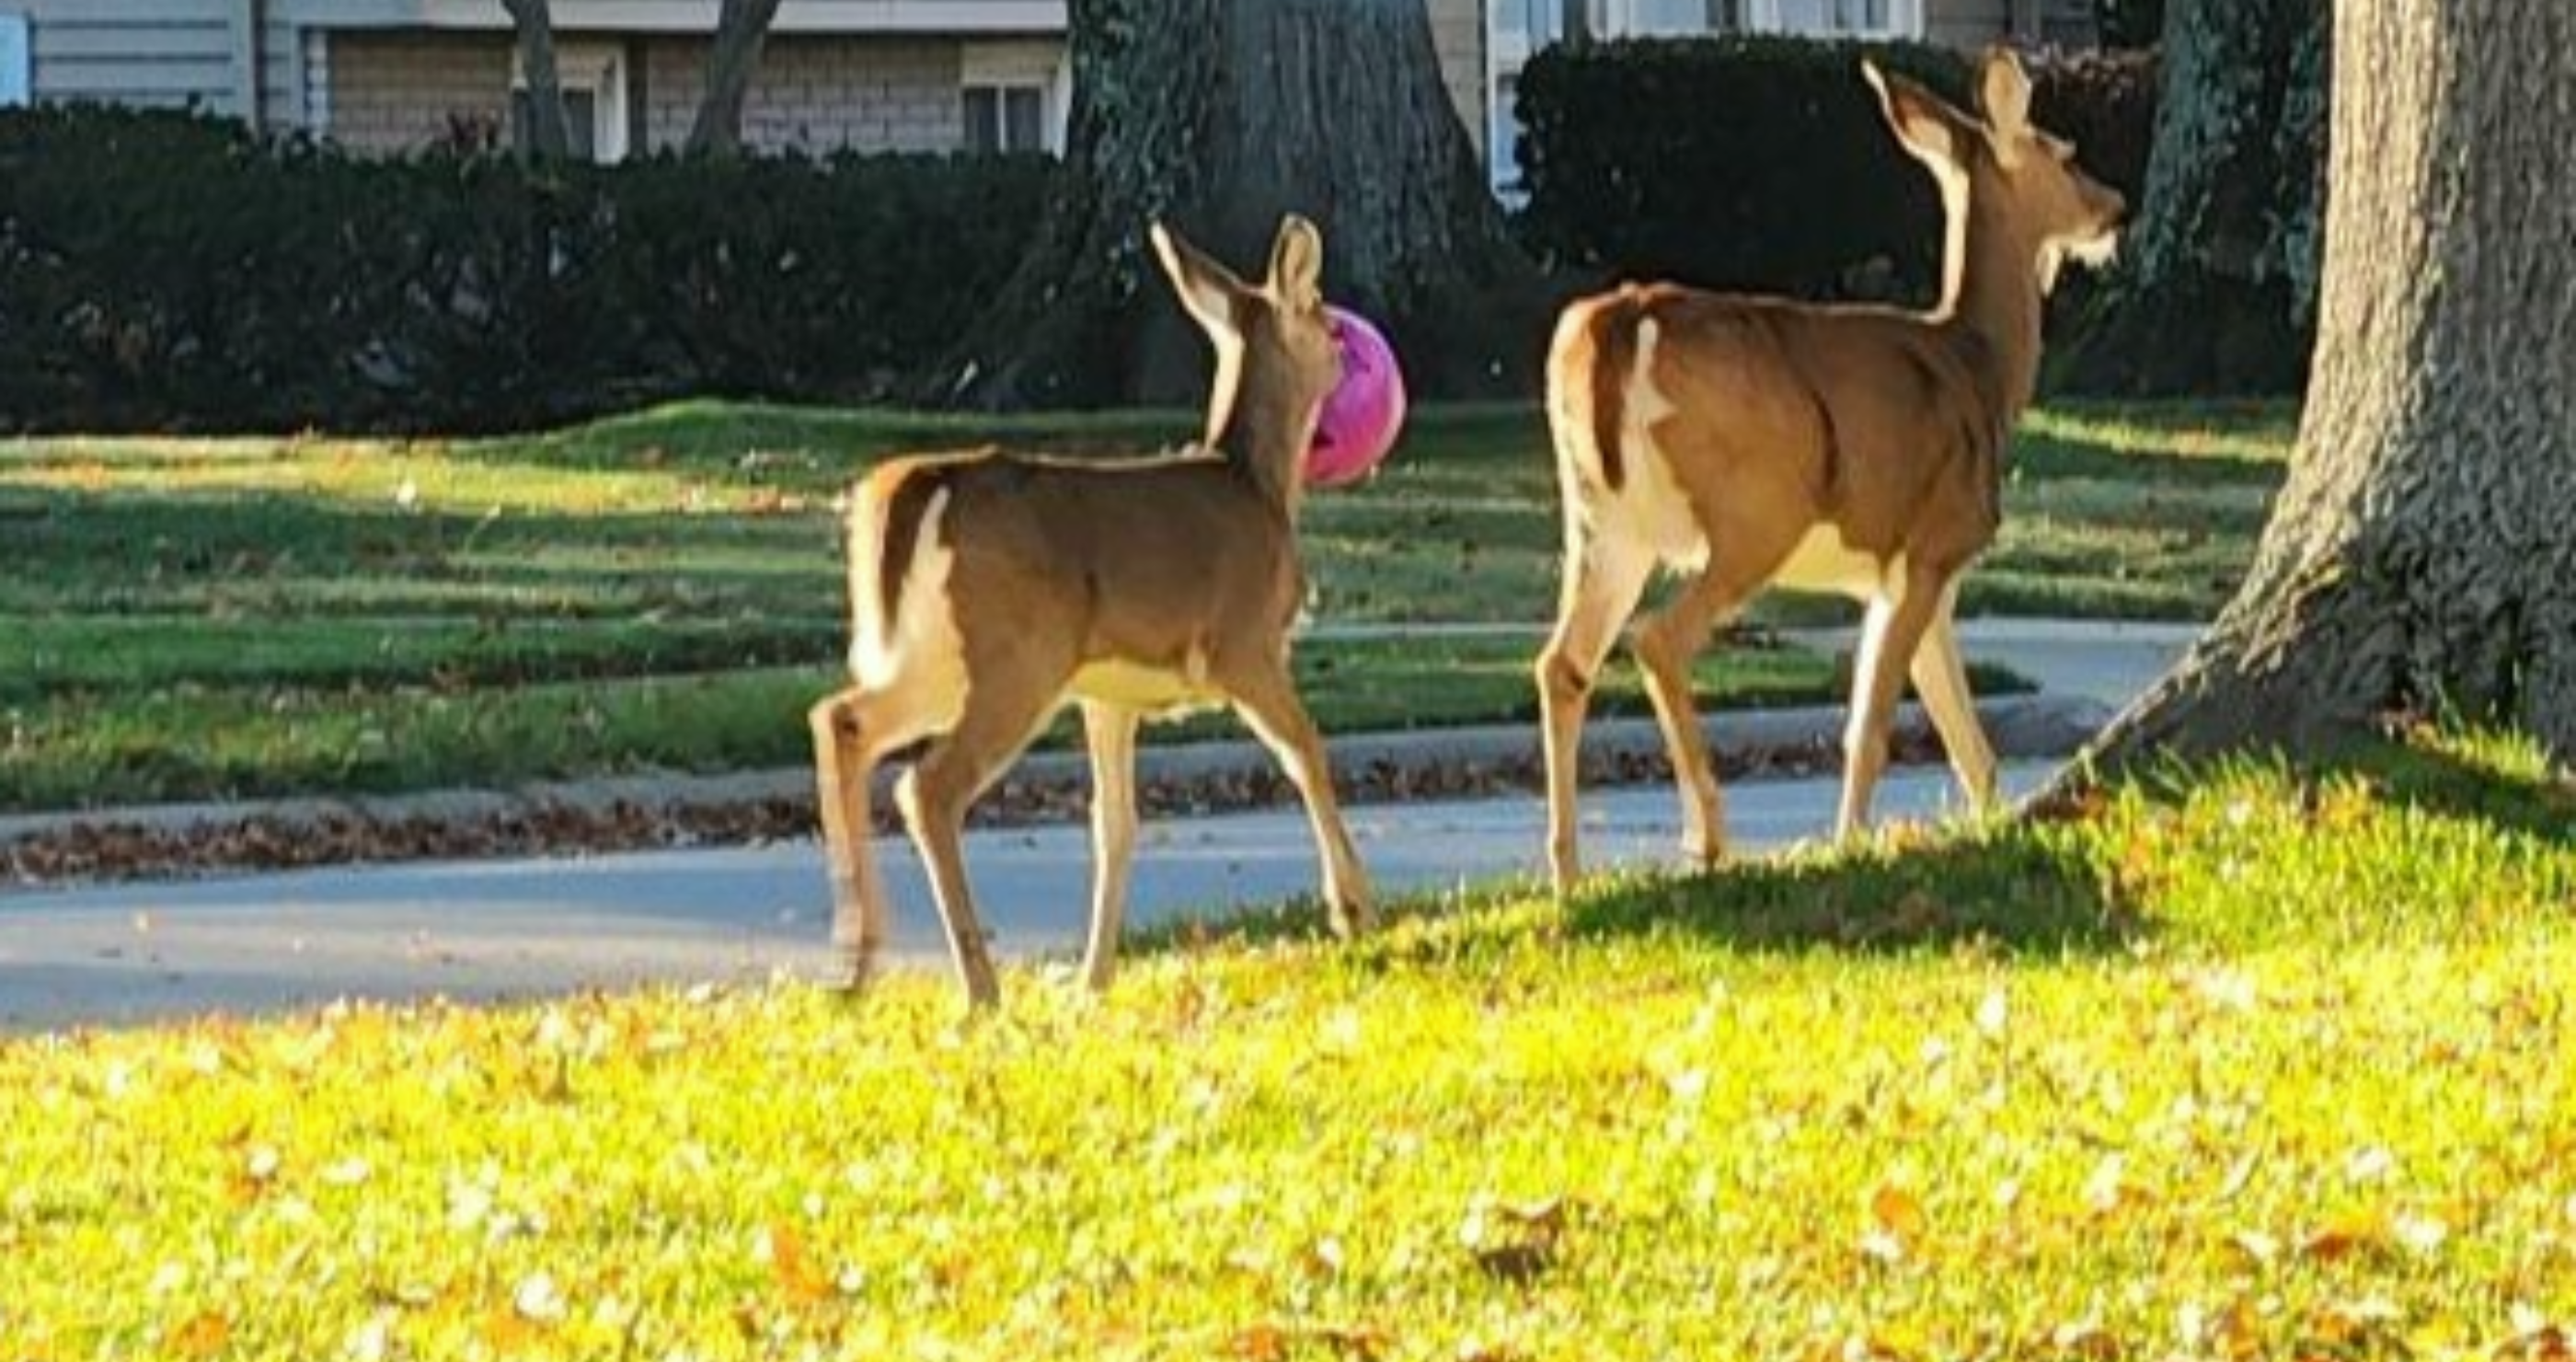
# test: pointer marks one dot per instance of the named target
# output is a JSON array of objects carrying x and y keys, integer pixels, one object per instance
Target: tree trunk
[
  {"x": 2218, "y": 286},
  {"x": 543, "y": 134},
  {"x": 1221, "y": 115},
  {"x": 742, "y": 26},
  {"x": 2422, "y": 558}
]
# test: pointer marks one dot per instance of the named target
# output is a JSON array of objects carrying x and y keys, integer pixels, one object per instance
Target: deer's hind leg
[
  {"x": 1604, "y": 576},
  {"x": 1666, "y": 645},
  {"x": 1011, "y": 697},
  {"x": 853, "y": 729}
]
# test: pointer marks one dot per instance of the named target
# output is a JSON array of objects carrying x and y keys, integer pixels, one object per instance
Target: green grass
[
  {"x": 208, "y": 618},
  {"x": 2269, "y": 1063},
  {"x": 503, "y": 715}
]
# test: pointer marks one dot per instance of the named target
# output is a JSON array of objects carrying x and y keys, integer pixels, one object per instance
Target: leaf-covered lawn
[{"x": 2272, "y": 1068}]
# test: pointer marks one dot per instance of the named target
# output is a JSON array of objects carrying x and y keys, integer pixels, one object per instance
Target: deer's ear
[
  {"x": 2003, "y": 95},
  {"x": 1919, "y": 119},
  {"x": 1297, "y": 264},
  {"x": 1208, "y": 290}
]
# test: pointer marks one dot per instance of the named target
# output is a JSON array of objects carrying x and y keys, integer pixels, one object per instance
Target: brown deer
[
  {"x": 987, "y": 589},
  {"x": 1755, "y": 441}
]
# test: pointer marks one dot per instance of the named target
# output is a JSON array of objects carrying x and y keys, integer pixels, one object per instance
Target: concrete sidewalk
[{"x": 134, "y": 953}]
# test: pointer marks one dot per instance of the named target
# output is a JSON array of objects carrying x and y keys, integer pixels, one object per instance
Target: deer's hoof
[
  {"x": 851, "y": 974},
  {"x": 1350, "y": 920},
  {"x": 1704, "y": 854}
]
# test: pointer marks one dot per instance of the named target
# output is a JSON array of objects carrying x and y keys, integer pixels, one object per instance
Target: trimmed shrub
[
  {"x": 1762, "y": 163},
  {"x": 161, "y": 271},
  {"x": 1741, "y": 162}
]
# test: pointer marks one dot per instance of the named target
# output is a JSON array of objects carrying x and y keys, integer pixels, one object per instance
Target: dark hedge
[{"x": 166, "y": 272}]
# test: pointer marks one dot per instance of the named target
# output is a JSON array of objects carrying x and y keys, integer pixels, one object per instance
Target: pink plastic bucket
[{"x": 1365, "y": 411}]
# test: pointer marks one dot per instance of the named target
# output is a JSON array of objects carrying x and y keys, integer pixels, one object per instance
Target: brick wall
[
  {"x": 820, "y": 94},
  {"x": 395, "y": 91}
]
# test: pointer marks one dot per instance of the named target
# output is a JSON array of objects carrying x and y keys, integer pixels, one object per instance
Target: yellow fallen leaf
[
  {"x": 789, "y": 1266},
  {"x": 203, "y": 1336},
  {"x": 1897, "y": 1211},
  {"x": 2349, "y": 1233}
]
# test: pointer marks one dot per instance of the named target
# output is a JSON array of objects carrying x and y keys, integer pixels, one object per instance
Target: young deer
[
  {"x": 1754, "y": 441},
  {"x": 986, "y": 589}
]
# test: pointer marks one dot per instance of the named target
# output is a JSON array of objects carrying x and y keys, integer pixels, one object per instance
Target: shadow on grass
[
  {"x": 2001, "y": 889},
  {"x": 1997, "y": 888},
  {"x": 2246, "y": 853}
]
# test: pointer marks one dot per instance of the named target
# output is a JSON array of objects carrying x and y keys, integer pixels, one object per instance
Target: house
[
  {"x": 387, "y": 75},
  {"x": 875, "y": 75}
]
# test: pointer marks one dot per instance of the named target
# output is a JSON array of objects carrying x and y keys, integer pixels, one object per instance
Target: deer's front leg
[
  {"x": 844, "y": 762},
  {"x": 1267, "y": 700},
  {"x": 1110, "y": 732},
  {"x": 1941, "y": 679},
  {"x": 1889, "y": 634}
]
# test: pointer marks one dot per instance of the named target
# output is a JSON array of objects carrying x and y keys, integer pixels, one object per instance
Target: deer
[
  {"x": 1749, "y": 441},
  {"x": 990, "y": 588}
]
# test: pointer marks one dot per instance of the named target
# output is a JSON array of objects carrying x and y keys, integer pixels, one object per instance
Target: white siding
[{"x": 165, "y": 53}]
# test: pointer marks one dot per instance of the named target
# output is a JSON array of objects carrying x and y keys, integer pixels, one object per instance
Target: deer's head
[
  {"x": 1276, "y": 361},
  {"x": 2003, "y": 171}
]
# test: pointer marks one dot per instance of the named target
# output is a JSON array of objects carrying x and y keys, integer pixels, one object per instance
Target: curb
[{"x": 45, "y": 850}]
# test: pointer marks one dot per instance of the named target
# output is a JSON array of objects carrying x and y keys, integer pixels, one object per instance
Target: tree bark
[
  {"x": 742, "y": 27},
  {"x": 2218, "y": 285},
  {"x": 544, "y": 135},
  {"x": 1221, "y": 115},
  {"x": 2422, "y": 558}
]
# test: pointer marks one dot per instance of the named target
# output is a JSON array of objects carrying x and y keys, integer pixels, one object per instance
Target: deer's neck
[
  {"x": 1264, "y": 437},
  {"x": 1994, "y": 306}
]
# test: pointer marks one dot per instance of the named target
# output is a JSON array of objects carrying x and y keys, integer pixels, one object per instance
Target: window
[
  {"x": 1011, "y": 95},
  {"x": 16, "y": 67},
  {"x": 1682, "y": 18},
  {"x": 1005, "y": 117},
  {"x": 1503, "y": 141},
  {"x": 581, "y": 120},
  {"x": 1538, "y": 21},
  {"x": 593, "y": 80}
]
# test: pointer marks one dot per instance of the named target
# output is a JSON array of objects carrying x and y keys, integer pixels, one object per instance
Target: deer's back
[
  {"x": 1763, "y": 413},
  {"x": 1157, "y": 562}
]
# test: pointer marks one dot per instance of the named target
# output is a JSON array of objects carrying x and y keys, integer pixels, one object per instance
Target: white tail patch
[
  {"x": 920, "y": 647},
  {"x": 1651, "y": 508}
]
